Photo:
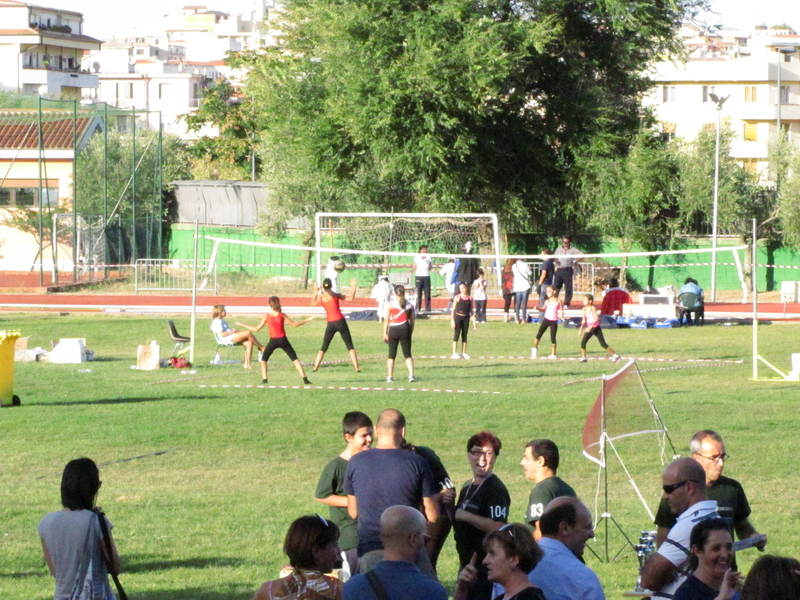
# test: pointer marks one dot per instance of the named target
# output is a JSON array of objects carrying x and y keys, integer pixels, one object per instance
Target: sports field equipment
[
  {"x": 339, "y": 266},
  {"x": 622, "y": 413}
]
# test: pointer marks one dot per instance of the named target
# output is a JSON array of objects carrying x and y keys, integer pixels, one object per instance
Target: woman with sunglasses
[
  {"x": 312, "y": 545},
  {"x": 712, "y": 555},
  {"x": 511, "y": 553},
  {"x": 482, "y": 508},
  {"x": 72, "y": 539}
]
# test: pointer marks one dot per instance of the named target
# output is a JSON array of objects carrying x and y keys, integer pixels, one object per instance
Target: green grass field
[{"x": 206, "y": 518}]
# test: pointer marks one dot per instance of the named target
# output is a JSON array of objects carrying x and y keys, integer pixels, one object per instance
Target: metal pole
[
  {"x": 74, "y": 191},
  {"x": 754, "y": 282},
  {"x": 194, "y": 293},
  {"x": 134, "y": 245},
  {"x": 716, "y": 212},
  {"x": 105, "y": 187},
  {"x": 41, "y": 209},
  {"x": 160, "y": 187}
]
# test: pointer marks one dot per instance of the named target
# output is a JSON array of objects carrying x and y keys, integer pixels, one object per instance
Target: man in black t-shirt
[{"x": 708, "y": 449}]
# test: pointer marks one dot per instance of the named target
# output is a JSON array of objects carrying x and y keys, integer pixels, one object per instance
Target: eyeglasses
[
  {"x": 717, "y": 458},
  {"x": 668, "y": 489},
  {"x": 479, "y": 453}
]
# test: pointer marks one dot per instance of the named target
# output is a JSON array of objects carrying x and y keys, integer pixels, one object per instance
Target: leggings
[
  {"x": 274, "y": 344},
  {"x": 399, "y": 334},
  {"x": 509, "y": 299},
  {"x": 589, "y": 333},
  {"x": 461, "y": 328},
  {"x": 333, "y": 327},
  {"x": 553, "y": 325}
]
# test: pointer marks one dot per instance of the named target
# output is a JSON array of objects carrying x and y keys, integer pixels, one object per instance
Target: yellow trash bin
[{"x": 7, "y": 341}]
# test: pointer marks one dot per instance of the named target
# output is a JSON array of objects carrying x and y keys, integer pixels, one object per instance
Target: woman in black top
[
  {"x": 712, "y": 552},
  {"x": 459, "y": 320},
  {"x": 511, "y": 553}
]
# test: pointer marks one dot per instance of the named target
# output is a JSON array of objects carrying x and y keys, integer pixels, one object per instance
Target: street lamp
[{"x": 719, "y": 102}]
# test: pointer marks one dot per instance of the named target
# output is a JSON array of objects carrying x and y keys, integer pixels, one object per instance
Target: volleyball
[{"x": 339, "y": 266}]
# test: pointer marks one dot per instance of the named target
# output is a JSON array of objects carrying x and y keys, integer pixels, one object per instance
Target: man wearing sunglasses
[
  {"x": 684, "y": 485},
  {"x": 708, "y": 449}
]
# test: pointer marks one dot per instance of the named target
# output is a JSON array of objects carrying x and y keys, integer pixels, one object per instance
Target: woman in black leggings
[
  {"x": 397, "y": 329},
  {"x": 459, "y": 320}
]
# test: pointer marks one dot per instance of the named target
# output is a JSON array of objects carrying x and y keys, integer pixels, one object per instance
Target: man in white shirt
[
  {"x": 684, "y": 483},
  {"x": 422, "y": 273}
]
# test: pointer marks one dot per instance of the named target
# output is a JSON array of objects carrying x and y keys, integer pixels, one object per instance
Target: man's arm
[
  {"x": 352, "y": 507},
  {"x": 744, "y": 529},
  {"x": 334, "y": 500},
  {"x": 661, "y": 535},
  {"x": 657, "y": 572},
  {"x": 485, "y": 524},
  {"x": 430, "y": 508}
]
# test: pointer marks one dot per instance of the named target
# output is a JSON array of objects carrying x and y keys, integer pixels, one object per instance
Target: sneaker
[
  {"x": 615, "y": 358},
  {"x": 455, "y": 355},
  {"x": 534, "y": 352},
  {"x": 465, "y": 355},
  {"x": 582, "y": 359},
  {"x": 389, "y": 379},
  {"x": 411, "y": 378},
  {"x": 306, "y": 381},
  {"x": 552, "y": 357},
  {"x": 264, "y": 382}
]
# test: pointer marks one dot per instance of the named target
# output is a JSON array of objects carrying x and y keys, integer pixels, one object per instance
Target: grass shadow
[
  {"x": 146, "y": 563},
  {"x": 206, "y": 593},
  {"x": 108, "y": 401}
]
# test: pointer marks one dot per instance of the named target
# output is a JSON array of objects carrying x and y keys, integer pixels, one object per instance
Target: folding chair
[
  {"x": 689, "y": 303},
  {"x": 180, "y": 340}
]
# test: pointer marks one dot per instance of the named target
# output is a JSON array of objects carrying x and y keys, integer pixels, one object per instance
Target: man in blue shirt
[
  {"x": 403, "y": 533},
  {"x": 566, "y": 525}
]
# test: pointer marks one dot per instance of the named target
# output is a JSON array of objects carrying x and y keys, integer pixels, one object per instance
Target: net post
[
  {"x": 499, "y": 270},
  {"x": 318, "y": 242},
  {"x": 754, "y": 285}
]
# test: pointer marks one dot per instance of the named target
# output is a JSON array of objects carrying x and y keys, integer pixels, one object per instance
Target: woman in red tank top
[
  {"x": 336, "y": 321},
  {"x": 275, "y": 320}
]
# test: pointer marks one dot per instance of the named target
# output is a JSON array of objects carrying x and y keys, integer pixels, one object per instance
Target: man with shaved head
[
  {"x": 684, "y": 484},
  {"x": 383, "y": 477},
  {"x": 566, "y": 526},
  {"x": 403, "y": 533}
]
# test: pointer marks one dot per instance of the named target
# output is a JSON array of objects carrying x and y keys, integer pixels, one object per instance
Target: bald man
[
  {"x": 387, "y": 476},
  {"x": 684, "y": 484},
  {"x": 403, "y": 534}
]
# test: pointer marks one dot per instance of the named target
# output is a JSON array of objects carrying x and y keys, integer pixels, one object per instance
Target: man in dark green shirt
[
  {"x": 708, "y": 449},
  {"x": 540, "y": 463}
]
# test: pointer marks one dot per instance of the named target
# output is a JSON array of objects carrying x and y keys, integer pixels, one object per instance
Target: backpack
[{"x": 179, "y": 362}]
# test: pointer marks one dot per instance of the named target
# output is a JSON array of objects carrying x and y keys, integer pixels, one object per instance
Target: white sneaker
[
  {"x": 455, "y": 355},
  {"x": 615, "y": 358},
  {"x": 534, "y": 352},
  {"x": 411, "y": 379},
  {"x": 465, "y": 355},
  {"x": 389, "y": 379},
  {"x": 582, "y": 359},
  {"x": 552, "y": 357}
]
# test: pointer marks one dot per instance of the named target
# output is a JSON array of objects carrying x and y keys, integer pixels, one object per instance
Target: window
[
  {"x": 750, "y": 93},
  {"x": 750, "y": 165},
  {"x": 5, "y": 197},
  {"x": 668, "y": 92},
  {"x": 163, "y": 90},
  {"x": 785, "y": 94},
  {"x": 25, "y": 196},
  {"x": 750, "y": 132},
  {"x": 124, "y": 90},
  {"x": 787, "y": 57},
  {"x": 708, "y": 89},
  {"x": 196, "y": 90}
]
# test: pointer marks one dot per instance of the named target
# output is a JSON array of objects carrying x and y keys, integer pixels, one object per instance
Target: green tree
[
  {"x": 635, "y": 197},
  {"x": 451, "y": 105},
  {"x": 227, "y": 154},
  {"x": 785, "y": 171}
]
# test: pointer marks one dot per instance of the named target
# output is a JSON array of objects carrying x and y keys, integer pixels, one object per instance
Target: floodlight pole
[{"x": 714, "y": 226}]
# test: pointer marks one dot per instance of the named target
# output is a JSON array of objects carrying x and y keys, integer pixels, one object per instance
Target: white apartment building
[
  {"x": 759, "y": 74},
  {"x": 41, "y": 50}
]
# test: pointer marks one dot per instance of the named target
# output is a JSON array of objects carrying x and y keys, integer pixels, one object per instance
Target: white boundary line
[{"x": 355, "y": 389}]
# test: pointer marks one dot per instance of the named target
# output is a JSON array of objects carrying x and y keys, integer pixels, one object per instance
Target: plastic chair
[
  {"x": 180, "y": 340},
  {"x": 689, "y": 303},
  {"x": 218, "y": 359}
]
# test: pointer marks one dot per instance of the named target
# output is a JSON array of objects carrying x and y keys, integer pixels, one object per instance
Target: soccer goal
[{"x": 388, "y": 241}]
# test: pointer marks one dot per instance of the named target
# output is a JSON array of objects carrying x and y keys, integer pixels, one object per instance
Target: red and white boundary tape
[
  {"x": 356, "y": 389},
  {"x": 597, "y": 358}
]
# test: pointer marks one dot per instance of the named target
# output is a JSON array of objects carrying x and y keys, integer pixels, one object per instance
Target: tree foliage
[
  {"x": 451, "y": 105},
  {"x": 120, "y": 164}
]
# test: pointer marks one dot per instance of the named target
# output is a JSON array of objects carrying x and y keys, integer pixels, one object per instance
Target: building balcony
[{"x": 62, "y": 78}]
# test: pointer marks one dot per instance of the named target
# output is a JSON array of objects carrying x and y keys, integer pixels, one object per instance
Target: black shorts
[
  {"x": 274, "y": 344},
  {"x": 332, "y": 329},
  {"x": 400, "y": 334}
]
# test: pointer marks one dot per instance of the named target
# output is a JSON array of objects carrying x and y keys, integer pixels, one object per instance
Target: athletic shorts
[
  {"x": 274, "y": 344},
  {"x": 331, "y": 330}
]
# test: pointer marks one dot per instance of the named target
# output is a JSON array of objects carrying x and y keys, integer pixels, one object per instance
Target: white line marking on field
[{"x": 358, "y": 389}]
